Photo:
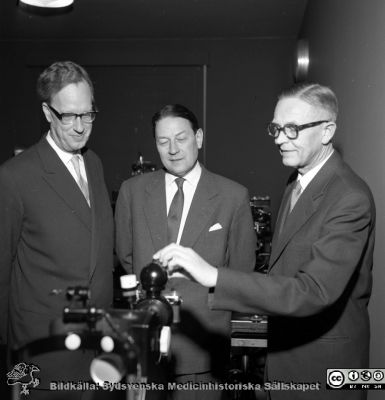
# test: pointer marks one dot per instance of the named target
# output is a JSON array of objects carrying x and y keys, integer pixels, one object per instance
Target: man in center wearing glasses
[{"x": 319, "y": 280}]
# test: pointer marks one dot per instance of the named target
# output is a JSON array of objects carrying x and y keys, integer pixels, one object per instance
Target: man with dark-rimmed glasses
[
  {"x": 319, "y": 279},
  {"x": 56, "y": 228}
]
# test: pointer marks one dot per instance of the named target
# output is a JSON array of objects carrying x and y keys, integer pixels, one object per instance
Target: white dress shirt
[
  {"x": 304, "y": 180},
  {"x": 66, "y": 159}
]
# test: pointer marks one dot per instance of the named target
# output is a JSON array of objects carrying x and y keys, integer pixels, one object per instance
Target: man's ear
[
  {"x": 199, "y": 138},
  {"x": 328, "y": 132},
  {"x": 46, "y": 112}
]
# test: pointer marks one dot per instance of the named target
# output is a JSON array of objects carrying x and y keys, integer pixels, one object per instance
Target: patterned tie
[
  {"x": 295, "y": 194},
  {"x": 289, "y": 205},
  {"x": 80, "y": 180},
  {"x": 175, "y": 212}
]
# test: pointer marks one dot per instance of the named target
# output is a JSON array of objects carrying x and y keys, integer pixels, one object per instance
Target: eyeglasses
[
  {"x": 70, "y": 118},
  {"x": 290, "y": 130}
]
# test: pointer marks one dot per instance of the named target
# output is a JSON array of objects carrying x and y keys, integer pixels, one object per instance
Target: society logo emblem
[
  {"x": 23, "y": 374},
  {"x": 336, "y": 379}
]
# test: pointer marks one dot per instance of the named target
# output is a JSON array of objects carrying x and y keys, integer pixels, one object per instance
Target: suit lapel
[
  {"x": 155, "y": 209},
  {"x": 202, "y": 206},
  {"x": 61, "y": 181},
  {"x": 93, "y": 185},
  {"x": 282, "y": 214},
  {"x": 306, "y": 205}
]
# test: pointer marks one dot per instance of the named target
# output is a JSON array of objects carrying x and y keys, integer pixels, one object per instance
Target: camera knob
[{"x": 153, "y": 277}]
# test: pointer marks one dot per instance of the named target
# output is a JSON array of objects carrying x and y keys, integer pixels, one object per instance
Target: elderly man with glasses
[
  {"x": 56, "y": 227},
  {"x": 319, "y": 280}
]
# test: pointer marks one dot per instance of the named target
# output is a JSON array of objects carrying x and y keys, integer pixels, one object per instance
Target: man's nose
[
  {"x": 78, "y": 125},
  {"x": 281, "y": 138},
  {"x": 173, "y": 147}
]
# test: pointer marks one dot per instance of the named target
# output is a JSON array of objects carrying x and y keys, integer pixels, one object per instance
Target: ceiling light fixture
[
  {"x": 48, "y": 3},
  {"x": 46, "y": 7}
]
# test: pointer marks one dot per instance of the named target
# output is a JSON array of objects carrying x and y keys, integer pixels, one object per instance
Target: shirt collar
[
  {"x": 191, "y": 177},
  {"x": 307, "y": 178},
  {"x": 65, "y": 156}
]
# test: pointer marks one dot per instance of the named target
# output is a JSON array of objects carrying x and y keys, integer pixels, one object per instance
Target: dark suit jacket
[
  {"x": 50, "y": 239},
  {"x": 141, "y": 226},
  {"x": 319, "y": 282}
]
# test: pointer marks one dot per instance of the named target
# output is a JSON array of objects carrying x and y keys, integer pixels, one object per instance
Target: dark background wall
[
  {"x": 347, "y": 48},
  {"x": 243, "y": 79}
]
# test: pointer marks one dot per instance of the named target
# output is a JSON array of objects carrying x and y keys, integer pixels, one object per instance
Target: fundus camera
[{"x": 128, "y": 341}]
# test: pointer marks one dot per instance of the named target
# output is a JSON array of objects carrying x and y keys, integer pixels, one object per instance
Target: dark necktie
[{"x": 175, "y": 212}]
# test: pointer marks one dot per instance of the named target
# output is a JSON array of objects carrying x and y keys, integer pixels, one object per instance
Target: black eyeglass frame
[
  {"x": 296, "y": 128},
  {"x": 60, "y": 116}
]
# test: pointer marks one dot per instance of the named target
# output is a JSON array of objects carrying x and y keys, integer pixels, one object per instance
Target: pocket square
[{"x": 215, "y": 227}]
